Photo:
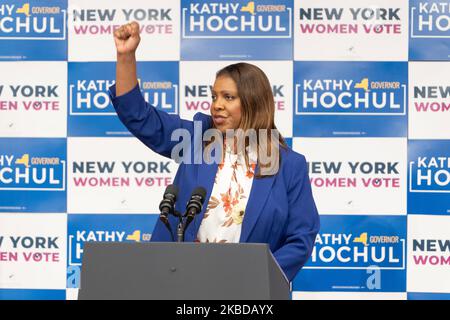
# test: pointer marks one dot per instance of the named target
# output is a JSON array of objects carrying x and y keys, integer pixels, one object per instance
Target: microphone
[
  {"x": 166, "y": 206},
  {"x": 194, "y": 205},
  {"x": 169, "y": 198}
]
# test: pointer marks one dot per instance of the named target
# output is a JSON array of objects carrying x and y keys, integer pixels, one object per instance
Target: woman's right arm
[
  {"x": 127, "y": 39},
  {"x": 153, "y": 127}
]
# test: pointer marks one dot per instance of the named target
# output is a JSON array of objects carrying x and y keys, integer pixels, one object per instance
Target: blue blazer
[{"x": 280, "y": 210}]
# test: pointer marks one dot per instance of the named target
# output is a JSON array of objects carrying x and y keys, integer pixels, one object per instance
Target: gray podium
[{"x": 175, "y": 271}]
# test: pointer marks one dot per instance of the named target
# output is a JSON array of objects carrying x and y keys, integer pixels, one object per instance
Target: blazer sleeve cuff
[{"x": 133, "y": 93}]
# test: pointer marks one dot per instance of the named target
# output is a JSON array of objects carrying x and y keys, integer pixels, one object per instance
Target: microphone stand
[{"x": 180, "y": 227}]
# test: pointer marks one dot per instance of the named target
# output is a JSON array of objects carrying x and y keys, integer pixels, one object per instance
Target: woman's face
[{"x": 226, "y": 104}]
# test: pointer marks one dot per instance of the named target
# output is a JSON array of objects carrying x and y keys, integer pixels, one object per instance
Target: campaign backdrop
[{"x": 361, "y": 89}]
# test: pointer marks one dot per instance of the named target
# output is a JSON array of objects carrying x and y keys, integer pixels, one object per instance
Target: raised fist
[{"x": 127, "y": 38}]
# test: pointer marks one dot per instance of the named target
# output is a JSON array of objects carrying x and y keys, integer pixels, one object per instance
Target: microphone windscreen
[
  {"x": 171, "y": 189},
  {"x": 199, "y": 191}
]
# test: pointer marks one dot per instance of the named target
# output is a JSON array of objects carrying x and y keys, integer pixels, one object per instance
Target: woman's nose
[{"x": 218, "y": 105}]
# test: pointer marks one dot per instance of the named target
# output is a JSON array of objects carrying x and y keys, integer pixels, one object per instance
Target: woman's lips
[{"x": 219, "y": 119}]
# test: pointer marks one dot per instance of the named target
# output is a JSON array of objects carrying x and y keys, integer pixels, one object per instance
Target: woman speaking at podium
[{"x": 248, "y": 200}]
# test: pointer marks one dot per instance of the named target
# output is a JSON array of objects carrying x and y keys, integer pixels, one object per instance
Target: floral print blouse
[{"x": 226, "y": 207}]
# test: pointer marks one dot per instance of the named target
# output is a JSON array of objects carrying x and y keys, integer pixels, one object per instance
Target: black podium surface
[{"x": 175, "y": 271}]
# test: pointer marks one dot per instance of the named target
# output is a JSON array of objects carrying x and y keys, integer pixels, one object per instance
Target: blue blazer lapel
[
  {"x": 205, "y": 178},
  {"x": 258, "y": 196}
]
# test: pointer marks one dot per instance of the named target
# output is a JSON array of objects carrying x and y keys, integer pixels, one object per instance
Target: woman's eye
[{"x": 227, "y": 97}]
